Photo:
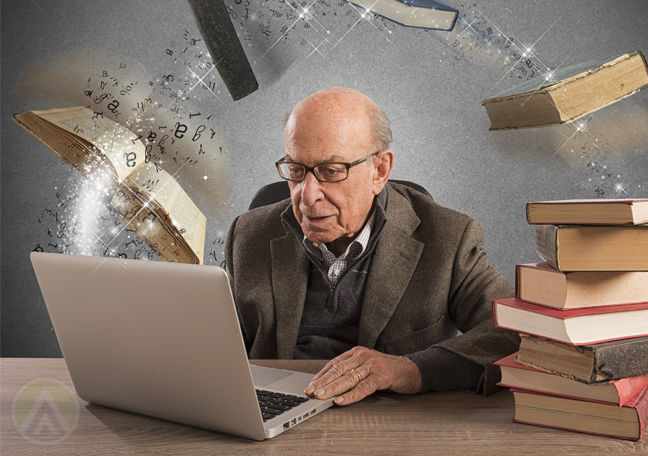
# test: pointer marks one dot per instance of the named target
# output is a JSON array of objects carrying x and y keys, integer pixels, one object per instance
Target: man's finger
[
  {"x": 360, "y": 391},
  {"x": 339, "y": 385},
  {"x": 336, "y": 380},
  {"x": 331, "y": 364},
  {"x": 335, "y": 369}
]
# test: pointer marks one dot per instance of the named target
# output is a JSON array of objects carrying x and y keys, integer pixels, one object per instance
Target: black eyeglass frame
[{"x": 312, "y": 169}]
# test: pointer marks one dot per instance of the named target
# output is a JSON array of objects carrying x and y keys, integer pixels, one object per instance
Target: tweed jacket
[{"x": 429, "y": 284}]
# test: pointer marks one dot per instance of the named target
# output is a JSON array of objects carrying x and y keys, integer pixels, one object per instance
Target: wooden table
[{"x": 453, "y": 423}]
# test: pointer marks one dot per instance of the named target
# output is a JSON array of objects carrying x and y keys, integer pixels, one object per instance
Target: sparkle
[
  {"x": 620, "y": 187},
  {"x": 200, "y": 81},
  {"x": 581, "y": 128},
  {"x": 468, "y": 26},
  {"x": 528, "y": 50},
  {"x": 205, "y": 177},
  {"x": 323, "y": 36}
]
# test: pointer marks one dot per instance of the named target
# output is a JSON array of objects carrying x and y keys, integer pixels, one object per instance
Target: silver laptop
[{"x": 163, "y": 340}]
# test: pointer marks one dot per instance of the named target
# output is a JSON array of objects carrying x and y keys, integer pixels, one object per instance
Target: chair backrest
[{"x": 277, "y": 191}]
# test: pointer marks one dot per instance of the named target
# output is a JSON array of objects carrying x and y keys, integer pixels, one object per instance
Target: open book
[{"x": 147, "y": 198}]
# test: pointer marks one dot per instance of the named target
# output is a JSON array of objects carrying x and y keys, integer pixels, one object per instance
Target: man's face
[{"x": 329, "y": 212}]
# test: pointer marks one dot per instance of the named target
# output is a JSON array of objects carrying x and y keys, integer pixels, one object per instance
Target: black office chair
[{"x": 277, "y": 191}]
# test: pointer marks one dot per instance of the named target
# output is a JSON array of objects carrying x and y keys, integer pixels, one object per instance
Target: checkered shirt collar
[{"x": 354, "y": 249}]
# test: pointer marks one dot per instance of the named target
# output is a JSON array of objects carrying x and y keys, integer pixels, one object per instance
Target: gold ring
[{"x": 358, "y": 374}]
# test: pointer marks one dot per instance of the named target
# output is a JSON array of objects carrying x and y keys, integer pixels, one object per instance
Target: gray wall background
[{"x": 62, "y": 53}]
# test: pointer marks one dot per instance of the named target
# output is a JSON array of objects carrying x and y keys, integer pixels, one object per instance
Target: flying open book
[{"x": 147, "y": 198}]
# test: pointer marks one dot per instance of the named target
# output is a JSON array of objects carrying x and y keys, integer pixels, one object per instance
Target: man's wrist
[
  {"x": 415, "y": 379},
  {"x": 443, "y": 370}
]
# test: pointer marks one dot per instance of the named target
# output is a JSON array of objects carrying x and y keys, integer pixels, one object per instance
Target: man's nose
[{"x": 311, "y": 189}]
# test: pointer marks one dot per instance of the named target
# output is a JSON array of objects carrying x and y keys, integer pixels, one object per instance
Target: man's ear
[{"x": 383, "y": 162}]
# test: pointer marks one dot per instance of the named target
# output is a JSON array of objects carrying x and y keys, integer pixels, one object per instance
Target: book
[
  {"x": 572, "y": 326},
  {"x": 588, "y": 212},
  {"x": 148, "y": 199},
  {"x": 586, "y": 363},
  {"x": 426, "y": 14},
  {"x": 518, "y": 376},
  {"x": 225, "y": 48},
  {"x": 541, "y": 284},
  {"x": 568, "y": 94},
  {"x": 627, "y": 422},
  {"x": 593, "y": 248}
]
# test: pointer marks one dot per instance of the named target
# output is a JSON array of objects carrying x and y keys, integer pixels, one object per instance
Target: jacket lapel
[
  {"x": 394, "y": 262},
  {"x": 290, "y": 267}
]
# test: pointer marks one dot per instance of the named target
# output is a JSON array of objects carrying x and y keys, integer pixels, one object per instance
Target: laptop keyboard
[{"x": 273, "y": 404}]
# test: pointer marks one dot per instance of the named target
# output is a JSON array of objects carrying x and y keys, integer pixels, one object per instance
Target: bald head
[{"x": 340, "y": 106}]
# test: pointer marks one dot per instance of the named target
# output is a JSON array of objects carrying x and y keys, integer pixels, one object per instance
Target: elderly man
[{"x": 376, "y": 276}]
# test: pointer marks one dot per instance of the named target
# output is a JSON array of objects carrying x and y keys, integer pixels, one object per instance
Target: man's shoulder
[
  {"x": 404, "y": 197},
  {"x": 264, "y": 220}
]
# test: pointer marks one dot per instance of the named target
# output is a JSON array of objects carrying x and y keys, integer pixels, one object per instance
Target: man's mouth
[{"x": 312, "y": 219}]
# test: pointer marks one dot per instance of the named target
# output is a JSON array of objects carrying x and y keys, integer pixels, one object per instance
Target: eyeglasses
[{"x": 325, "y": 172}]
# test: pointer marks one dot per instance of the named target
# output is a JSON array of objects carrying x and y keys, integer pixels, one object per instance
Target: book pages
[
  {"x": 167, "y": 193},
  {"x": 121, "y": 146}
]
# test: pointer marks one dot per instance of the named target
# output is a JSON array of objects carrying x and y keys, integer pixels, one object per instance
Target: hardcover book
[
  {"x": 587, "y": 363},
  {"x": 541, "y": 284},
  {"x": 618, "y": 392},
  {"x": 568, "y": 94},
  {"x": 593, "y": 248},
  {"x": 588, "y": 212},
  {"x": 627, "y": 422},
  {"x": 426, "y": 14},
  {"x": 148, "y": 199},
  {"x": 574, "y": 326}
]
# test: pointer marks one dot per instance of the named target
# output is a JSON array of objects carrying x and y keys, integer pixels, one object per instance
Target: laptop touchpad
[{"x": 264, "y": 376}]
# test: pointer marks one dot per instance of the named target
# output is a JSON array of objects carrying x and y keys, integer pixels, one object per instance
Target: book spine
[
  {"x": 546, "y": 244},
  {"x": 622, "y": 360},
  {"x": 517, "y": 281},
  {"x": 627, "y": 387},
  {"x": 640, "y": 404}
]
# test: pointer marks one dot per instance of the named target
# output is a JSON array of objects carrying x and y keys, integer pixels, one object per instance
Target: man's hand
[{"x": 360, "y": 372}]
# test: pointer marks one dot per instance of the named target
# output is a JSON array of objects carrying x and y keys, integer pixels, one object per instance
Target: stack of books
[{"x": 583, "y": 319}]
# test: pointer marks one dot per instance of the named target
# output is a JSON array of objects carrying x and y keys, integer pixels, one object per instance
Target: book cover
[
  {"x": 542, "y": 284},
  {"x": 425, "y": 14},
  {"x": 516, "y": 375},
  {"x": 568, "y": 94},
  {"x": 627, "y": 422},
  {"x": 588, "y": 212},
  {"x": 573, "y": 326},
  {"x": 587, "y": 363},
  {"x": 593, "y": 248}
]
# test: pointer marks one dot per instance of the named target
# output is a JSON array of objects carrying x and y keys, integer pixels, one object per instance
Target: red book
[
  {"x": 617, "y": 392},
  {"x": 574, "y": 326},
  {"x": 627, "y": 422}
]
